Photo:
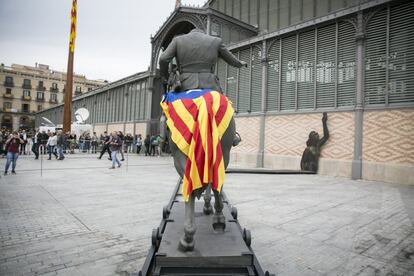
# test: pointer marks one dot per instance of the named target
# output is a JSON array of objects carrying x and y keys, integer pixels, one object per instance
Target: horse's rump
[{"x": 197, "y": 120}]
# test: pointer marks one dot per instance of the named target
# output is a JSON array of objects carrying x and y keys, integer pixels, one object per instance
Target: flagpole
[{"x": 67, "y": 108}]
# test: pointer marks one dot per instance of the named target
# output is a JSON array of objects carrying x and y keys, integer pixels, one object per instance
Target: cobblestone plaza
[{"x": 79, "y": 218}]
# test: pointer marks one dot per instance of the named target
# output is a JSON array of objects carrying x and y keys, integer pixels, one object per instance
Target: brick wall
[
  {"x": 388, "y": 136},
  {"x": 287, "y": 134},
  {"x": 249, "y": 129}
]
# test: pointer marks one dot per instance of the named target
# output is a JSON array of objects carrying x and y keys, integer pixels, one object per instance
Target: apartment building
[{"x": 26, "y": 90}]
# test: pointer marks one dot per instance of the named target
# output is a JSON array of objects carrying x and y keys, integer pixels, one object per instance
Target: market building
[{"x": 351, "y": 59}]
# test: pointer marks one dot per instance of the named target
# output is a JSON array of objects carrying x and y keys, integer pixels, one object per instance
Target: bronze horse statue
[
  {"x": 196, "y": 55},
  {"x": 219, "y": 222}
]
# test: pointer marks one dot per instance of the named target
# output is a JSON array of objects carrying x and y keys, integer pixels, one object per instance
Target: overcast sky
[{"x": 112, "y": 39}]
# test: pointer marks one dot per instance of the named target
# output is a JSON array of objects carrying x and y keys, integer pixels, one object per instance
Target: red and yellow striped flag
[
  {"x": 197, "y": 120},
  {"x": 72, "y": 27}
]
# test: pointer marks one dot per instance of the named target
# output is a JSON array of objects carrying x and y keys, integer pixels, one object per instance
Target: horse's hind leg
[
  {"x": 219, "y": 221},
  {"x": 187, "y": 240},
  {"x": 208, "y": 209}
]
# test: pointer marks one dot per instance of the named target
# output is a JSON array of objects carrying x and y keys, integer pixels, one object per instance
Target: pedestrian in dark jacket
[
  {"x": 105, "y": 146},
  {"x": 61, "y": 141},
  {"x": 37, "y": 138},
  {"x": 43, "y": 141},
  {"x": 128, "y": 142},
  {"x": 12, "y": 147},
  {"x": 147, "y": 142}
]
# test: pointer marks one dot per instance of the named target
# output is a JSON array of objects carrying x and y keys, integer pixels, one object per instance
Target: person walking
[
  {"x": 159, "y": 144},
  {"x": 138, "y": 143},
  {"x": 81, "y": 143},
  {"x": 147, "y": 143},
  {"x": 23, "y": 136},
  {"x": 71, "y": 143},
  {"x": 105, "y": 146},
  {"x": 37, "y": 137},
  {"x": 87, "y": 143},
  {"x": 2, "y": 152},
  {"x": 44, "y": 139},
  {"x": 153, "y": 143},
  {"x": 5, "y": 136},
  {"x": 94, "y": 142},
  {"x": 61, "y": 140},
  {"x": 12, "y": 147},
  {"x": 116, "y": 145},
  {"x": 51, "y": 145},
  {"x": 29, "y": 145},
  {"x": 128, "y": 143}
]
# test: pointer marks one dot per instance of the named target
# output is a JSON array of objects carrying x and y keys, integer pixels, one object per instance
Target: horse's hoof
[
  {"x": 208, "y": 209},
  {"x": 185, "y": 245},
  {"x": 219, "y": 222}
]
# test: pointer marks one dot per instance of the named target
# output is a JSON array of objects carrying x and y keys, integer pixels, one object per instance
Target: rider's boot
[{"x": 236, "y": 139}]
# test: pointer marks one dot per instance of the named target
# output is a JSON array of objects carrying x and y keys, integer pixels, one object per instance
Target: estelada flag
[
  {"x": 72, "y": 27},
  {"x": 197, "y": 120}
]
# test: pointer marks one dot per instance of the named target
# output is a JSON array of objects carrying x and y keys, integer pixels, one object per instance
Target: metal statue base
[
  {"x": 215, "y": 253},
  {"x": 212, "y": 248},
  {"x": 266, "y": 171}
]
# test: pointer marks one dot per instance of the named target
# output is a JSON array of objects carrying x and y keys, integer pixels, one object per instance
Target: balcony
[
  {"x": 8, "y": 84},
  {"x": 26, "y": 98},
  {"x": 53, "y": 101},
  {"x": 41, "y": 88},
  {"x": 40, "y": 99},
  {"x": 54, "y": 89},
  {"x": 7, "y": 110},
  {"x": 27, "y": 86},
  {"x": 78, "y": 93},
  {"x": 26, "y": 111},
  {"x": 8, "y": 96}
]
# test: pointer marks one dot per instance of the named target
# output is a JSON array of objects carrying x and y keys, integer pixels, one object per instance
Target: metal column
[
  {"x": 260, "y": 154},
  {"x": 359, "y": 108}
]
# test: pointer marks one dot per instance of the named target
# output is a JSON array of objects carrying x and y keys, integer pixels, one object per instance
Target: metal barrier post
[
  {"x": 40, "y": 149},
  {"x": 127, "y": 160}
]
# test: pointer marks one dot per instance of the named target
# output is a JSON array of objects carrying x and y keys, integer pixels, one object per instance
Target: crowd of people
[{"x": 13, "y": 144}]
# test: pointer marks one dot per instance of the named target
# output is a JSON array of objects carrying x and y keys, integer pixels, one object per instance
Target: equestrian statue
[{"x": 200, "y": 123}]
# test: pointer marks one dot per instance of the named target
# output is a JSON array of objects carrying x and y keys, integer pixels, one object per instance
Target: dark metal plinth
[
  {"x": 212, "y": 249},
  {"x": 215, "y": 253}
]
